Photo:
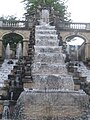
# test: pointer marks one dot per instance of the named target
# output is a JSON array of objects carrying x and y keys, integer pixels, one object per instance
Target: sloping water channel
[{"x": 5, "y": 70}]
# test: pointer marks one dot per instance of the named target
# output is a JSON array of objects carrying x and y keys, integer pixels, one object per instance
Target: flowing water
[
  {"x": 8, "y": 51},
  {"x": 84, "y": 71},
  {"x": 49, "y": 70},
  {"x": 5, "y": 70},
  {"x": 19, "y": 50},
  {"x": 45, "y": 17},
  {"x": 52, "y": 96}
]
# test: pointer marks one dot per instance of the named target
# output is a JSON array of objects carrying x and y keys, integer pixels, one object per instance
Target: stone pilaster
[
  {"x": 25, "y": 47},
  {"x": 87, "y": 51},
  {"x": 1, "y": 48}
]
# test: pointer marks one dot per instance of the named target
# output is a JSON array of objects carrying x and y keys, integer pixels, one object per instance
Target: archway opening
[
  {"x": 75, "y": 47},
  {"x": 12, "y": 39}
]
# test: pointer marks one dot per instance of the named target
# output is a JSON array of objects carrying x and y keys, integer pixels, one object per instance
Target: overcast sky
[
  {"x": 11, "y": 7},
  {"x": 79, "y": 9}
]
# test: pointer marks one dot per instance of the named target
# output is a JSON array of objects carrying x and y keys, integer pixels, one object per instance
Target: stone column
[
  {"x": 87, "y": 56},
  {"x": 1, "y": 46},
  {"x": 25, "y": 47},
  {"x": 88, "y": 52}
]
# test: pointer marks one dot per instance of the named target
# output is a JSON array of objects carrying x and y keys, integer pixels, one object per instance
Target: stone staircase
[
  {"x": 48, "y": 66},
  {"x": 52, "y": 96}
]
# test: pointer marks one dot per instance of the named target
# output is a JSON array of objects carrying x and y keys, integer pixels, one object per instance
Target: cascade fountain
[
  {"x": 5, "y": 70},
  {"x": 19, "y": 50},
  {"x": 52, "y": 96}
]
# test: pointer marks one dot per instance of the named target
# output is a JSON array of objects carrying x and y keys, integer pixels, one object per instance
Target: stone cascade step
[
  {"x": 49, "y": 58},
  {"x": 45, "y": 32},
  {"x": 53, "y": 81},
  {"x": 47, "y": 27},
  {"x": 48, "y": 65},
  {"x": 45, "y": 68},
  {"x": 46, "y": 36},
  {"x": 46, "y": 42},
  {"x": 51, "y": 94},
  {"x": 48, "y": 49}
]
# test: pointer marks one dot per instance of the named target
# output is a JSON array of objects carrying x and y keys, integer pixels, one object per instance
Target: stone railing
[
  {"x": 77, "y": 26},
  {"x": 13, "y": 24},
  {"x": 60, "y": 25}
]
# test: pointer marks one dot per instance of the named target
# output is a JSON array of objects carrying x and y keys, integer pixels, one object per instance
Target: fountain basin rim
[
  {"x": 47, "y": 64},
  {"x": 53, "y": 47},
  {"x": 39, "y": 34},
  {"x": 57, "y": 75},
  {"x": 55, "y": 91}
]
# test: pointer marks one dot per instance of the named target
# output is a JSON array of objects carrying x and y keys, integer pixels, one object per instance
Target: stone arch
[
  {"x": 9, "y": 32},
  {"x": 13, "y": 39},
  {"x": 82, "y": 48},
  {"x": 24, "y": 33},
  {"x": 66, "y": 34},
  {"x": 82, "y": 34},
  {"x": 75, "y": 35}
]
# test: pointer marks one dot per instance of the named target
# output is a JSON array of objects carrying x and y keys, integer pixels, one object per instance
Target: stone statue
[{"x": 45, "y": 16}]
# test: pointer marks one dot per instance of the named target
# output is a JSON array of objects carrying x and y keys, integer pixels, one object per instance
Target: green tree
[
  {"x": 9, "y": 17},
  {"x": 57, "y": 6}
]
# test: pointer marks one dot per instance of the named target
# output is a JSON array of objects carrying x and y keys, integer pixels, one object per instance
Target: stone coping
[{"x": 55, "y": 91}]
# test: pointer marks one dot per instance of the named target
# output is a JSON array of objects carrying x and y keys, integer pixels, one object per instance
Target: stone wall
[{"x": 64, "y": 34}]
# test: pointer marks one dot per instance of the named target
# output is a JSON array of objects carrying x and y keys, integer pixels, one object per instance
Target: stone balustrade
[
  {"x": 61, "y": 25},
  {"x": 14, "y": 23},
  {"x": 70, "y": 25}
]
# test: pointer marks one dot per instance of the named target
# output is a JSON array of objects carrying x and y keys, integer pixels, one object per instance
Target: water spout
[
  {"x": 11, "y": 95},
  {"x": 19, "y": 50},
  {"x": 67, "y": 49},
  {"x": 76, "y": 49},
  {"x": 17, "y": 80},
  {"x": 8, "y": 52}
]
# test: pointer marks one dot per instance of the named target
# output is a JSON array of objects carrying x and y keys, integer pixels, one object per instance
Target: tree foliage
[
  {"x": 9, "y": 17},
  {"x": 57, "y": 5}
]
